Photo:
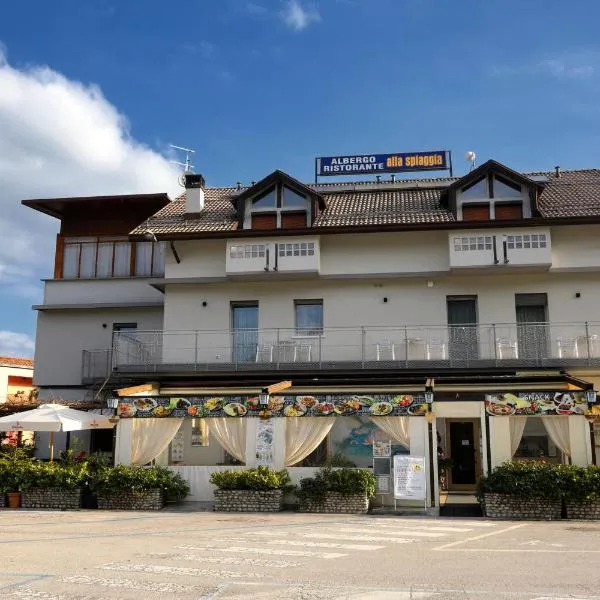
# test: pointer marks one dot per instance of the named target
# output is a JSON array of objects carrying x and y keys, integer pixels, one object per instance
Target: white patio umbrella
[{"x": 52, "y": 418}]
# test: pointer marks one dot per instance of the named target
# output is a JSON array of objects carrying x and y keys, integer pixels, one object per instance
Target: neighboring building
[
  {"x": 482, "y": 289},
  {"x": 16, "y": 380}
]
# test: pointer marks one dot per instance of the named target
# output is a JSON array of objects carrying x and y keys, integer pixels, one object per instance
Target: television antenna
[
  {"x": 470, "y": 156},
  {"x": 187, "y": 165}
]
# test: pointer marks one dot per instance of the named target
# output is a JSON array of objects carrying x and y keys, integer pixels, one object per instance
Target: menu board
[
  {"x": 264, "y": 443},
  {"x": 177, "y": 446},
  {"x": 410, "y": 480}
]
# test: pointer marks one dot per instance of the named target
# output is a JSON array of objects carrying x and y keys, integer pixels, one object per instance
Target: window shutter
[
  {"x": 477, "y": 212},
  {"x": 264, "y": 221},
  {"x": 293, "y": 220},
  {"x": 507, "y": 212}
]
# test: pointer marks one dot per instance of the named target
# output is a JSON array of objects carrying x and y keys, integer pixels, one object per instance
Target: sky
[{"x": 92, "y": 94}]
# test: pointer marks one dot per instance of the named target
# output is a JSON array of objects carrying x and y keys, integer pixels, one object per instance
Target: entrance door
[
  {"x": 532, "y": 328},
  {"x": 462, "y": 327},
  {"x": 244, "y": 326},
  {"x": 463, "y": 436}
]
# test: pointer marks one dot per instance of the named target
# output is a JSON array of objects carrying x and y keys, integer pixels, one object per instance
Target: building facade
[{"x": 370, "y": 299}]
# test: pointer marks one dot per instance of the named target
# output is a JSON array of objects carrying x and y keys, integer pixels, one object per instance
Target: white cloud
[
  {"x": 297, "y": 17},
  {"x": 568, "y": 66},
  {"x": 16, "y": 344},
  {"x": 59, "y": 138}
]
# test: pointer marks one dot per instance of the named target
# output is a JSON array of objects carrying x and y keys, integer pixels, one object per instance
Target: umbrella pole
[{"x": 52, "y": 446}]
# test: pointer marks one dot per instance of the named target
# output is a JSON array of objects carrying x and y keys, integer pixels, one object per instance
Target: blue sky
[{"x": 255, "y": 85}]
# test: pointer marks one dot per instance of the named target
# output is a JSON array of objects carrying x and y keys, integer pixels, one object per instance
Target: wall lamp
[
  {"x": 112, "y": 403},
  {"x": 429, "y": 415}
]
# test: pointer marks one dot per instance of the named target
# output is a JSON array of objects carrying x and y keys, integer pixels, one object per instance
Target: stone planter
[
  {"x": 248, "y": 500},
  {"x": 57, "y": 498},
  {"x": 504, "y": 506},
  {"x": 583, "y": 510},
  {"x": 128, "y": 500},
  {"x": 336, "y": 503}
]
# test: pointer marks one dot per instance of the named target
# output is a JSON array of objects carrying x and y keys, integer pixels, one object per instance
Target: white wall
[
  {"x": 5, "y": 373},
  {"x": 62, "y": 336},
  {"x": 576, "y": 246},
  {"x": 201, "y": 258},
  {"x": 100, "y": 291}
]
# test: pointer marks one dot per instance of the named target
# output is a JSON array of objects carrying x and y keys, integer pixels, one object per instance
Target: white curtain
[
  {"x": 303, "y": 435},
  {"x": 231, "y": 434},
  {"x": 395, "y": 427},
  {"x": 558, "y": 430},
  {"x": 517, "y": 426},
  {"x": 151, "y": 437}
]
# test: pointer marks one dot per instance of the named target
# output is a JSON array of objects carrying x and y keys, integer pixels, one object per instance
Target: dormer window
[
  {"x": 476, "y": 191},
  {"x": 279, "y": 207}
]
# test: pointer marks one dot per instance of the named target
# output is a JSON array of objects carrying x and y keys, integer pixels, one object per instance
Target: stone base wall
[
  {"x": 56, "y": 498},
  {"x": 248, "y": 500},
  {"x": 503, "y": 506},
  {"x": 151, "y": 500},
  {"x": 583, "y": 510},
  {"x": 336, "y": 503}
]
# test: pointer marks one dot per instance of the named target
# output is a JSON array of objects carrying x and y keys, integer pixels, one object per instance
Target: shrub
[
  {"x": 261, "y": 478},
  {"x": 344, "y": 481},
  {"x": 525, "y": 480},
  {"x": 15, "y": 475},
  {"x": 124, "y": 478},
  {"x": 581, "y": 484}
]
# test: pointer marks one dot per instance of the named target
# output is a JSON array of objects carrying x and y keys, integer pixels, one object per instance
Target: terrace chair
[
  {"x": 385, "y": 350},
  {"x": 567, "y": 347},
  {"x": 264, "y": 353},
  {"x": 507, "y": 348},
  {"x": 435, "y": 349},
  {"x": 302, "y": 352}
]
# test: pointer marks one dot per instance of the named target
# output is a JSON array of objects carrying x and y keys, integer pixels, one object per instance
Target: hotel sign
[{"x": 366, "y": 164}]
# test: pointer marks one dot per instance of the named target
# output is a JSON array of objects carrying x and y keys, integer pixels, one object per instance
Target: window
[
  {"x": 479, "y": 189},
  {"x": 526, "y": 241},
  {"x": 309, "y": 317},
  {"x": 475, "y": 212},
  {"x": 103, "y": 258},
  {"x": 278, "y": 207},
  {"x": 297, "y": 249},
  {"x": 503, "y": 188},
  {"x": 247, "y": 251},
  {"x": 508, "y": 212},
  {"x": 473, "y": 242}
]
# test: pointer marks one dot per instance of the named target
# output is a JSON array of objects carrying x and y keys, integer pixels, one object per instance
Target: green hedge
[
  {"x": 344, "y": 481},
  {"x": 261, "y": 478},
  {"x": 532, "y": 479}
]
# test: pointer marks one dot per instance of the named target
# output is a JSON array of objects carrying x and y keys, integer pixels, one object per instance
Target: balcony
[
  {"x": 495, "y": 248},
  {"x": 285, "y": 255},
  {"x": 554, "y": 345}
]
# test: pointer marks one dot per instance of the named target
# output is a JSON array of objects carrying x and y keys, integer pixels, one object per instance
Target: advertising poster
[
  {"x": 264, "y": 443},
  {"x": 410, "y": 480}
]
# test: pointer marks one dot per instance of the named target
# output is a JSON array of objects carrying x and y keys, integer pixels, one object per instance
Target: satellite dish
[
  {"x": 470, "y": 156},
  {"x": 182, "y": 180}
]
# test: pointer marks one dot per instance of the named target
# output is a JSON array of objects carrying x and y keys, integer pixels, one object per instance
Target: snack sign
[
  {"x": 379, "y": 405},
  {"x": 536, "y": 403}
]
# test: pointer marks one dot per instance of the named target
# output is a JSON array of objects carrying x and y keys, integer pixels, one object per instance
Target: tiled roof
[
  {"x": 573, "y": 194},
  {"x": 10, "y": 361}
]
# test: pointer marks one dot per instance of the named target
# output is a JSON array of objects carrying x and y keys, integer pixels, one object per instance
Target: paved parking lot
[{"x": 93, "y": 555}]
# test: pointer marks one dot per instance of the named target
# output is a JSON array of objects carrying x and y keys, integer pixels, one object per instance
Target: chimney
[
  {"x": 557, "y": 171},
  {"x": 194, "y": 193}
]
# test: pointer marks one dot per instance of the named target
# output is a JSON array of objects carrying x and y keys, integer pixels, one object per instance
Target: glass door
[
  {"x": 244, "y": 326},
  {"x": 532, "y": 328},
  {"x": 463, "y": 436},
  {"x": 463, "y": 335}
]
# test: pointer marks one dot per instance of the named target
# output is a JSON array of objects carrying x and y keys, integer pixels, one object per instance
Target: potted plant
[
  {"x": 337, "y": 491},
  {"x": 522, "y": 490},
  {"x": 138, "y": 488},
  {"x": 250, "y": 490},
  {"x": 15, "y": 477},
  {"x": 582, "y": 492}
]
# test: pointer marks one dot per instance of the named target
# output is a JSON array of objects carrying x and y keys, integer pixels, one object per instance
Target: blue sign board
[{"x": 366, "y": 164}]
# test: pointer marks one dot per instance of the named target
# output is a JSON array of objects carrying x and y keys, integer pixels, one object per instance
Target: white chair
[
  {"x": 507, "y": 348},
  {"x": 302, "y": 352},
  {"x": 264, "y": 353},
  {"x": 415, "y": 348},
  {"x": 567, "y": 347},
  {"x": 436, "y": 349},
  {"x": 386, "y": 350}
]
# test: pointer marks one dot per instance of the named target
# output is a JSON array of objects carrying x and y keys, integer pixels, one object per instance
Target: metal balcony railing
[
  {"x": 96, "y": 365},
  {"x": 410, "y": 346}
]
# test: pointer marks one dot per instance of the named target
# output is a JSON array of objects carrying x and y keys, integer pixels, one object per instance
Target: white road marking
[
  {"x": 400, "y": 527},
  {"x": 325, "y": 545},
  {"x": 358, "y": 538},
  {"x": 405, "y": 532},
  {"x": 130, "y": 584},
  {"x": 411, "y": 522},
  {"x": 229, "y": 560},
  {"x": 480, "y": 537},
  {"x": 163, "y": 569},
  {"x": 272, "y": 551}
]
